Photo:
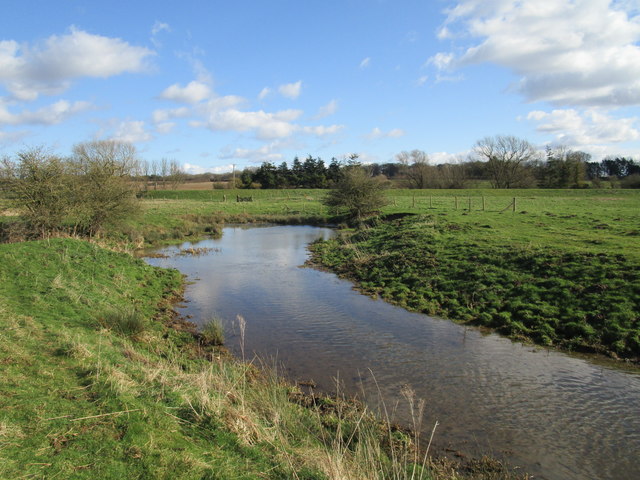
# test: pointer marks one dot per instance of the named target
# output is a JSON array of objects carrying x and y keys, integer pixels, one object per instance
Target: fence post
[
  {"x": 514, "y": 204},
  {"x": 456, "y": 197},
  {"x": 469, "y": 203},
  {"x": 483, "y": 203},
  {"x": 414, "y": 201}
]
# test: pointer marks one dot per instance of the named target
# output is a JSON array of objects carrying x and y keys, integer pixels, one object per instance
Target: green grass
[
  {"x": 95, "y": 384},
  {"x": 604, "y": 221}
]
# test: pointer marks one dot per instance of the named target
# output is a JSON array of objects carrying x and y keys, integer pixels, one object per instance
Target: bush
[
  {"x": 213, "y": 332},
  {"x": 82, "y": 194},
  {"x": 357, "y": 194}
]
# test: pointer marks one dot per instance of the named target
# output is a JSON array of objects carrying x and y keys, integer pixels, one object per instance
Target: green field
[{"x": 600, "y": 221}]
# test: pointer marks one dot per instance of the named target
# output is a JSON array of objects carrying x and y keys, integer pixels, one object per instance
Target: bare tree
[
  {"x": 454, "y": 174},
  {"x": 177, "y": 176},
  {"x": 416, "y": 168},
  {"x": 507, "y": 158}
]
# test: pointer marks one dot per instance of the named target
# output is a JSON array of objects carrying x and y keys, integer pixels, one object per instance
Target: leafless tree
[
  {"x": 416, "y": 168},
  {"x": 507, "y": 158}
]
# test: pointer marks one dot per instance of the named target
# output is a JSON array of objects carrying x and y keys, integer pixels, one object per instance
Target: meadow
[{"x": 100, "y": 380}]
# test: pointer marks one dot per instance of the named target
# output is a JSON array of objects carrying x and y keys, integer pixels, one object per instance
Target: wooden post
[
  {"x": 224, "y": 198},
  {"x": 514, "y": 204},
  {"x": 456, "y": 197},
  {"x": 483, "y": 203},
  {"x": 414, "y": 201},
  {"x": 469, "y": 203}
]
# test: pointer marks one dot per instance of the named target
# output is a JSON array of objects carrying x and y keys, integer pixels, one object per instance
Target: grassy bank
[
  {"x": 575, "y": 295},
  {"x": 97, "y": 383}
]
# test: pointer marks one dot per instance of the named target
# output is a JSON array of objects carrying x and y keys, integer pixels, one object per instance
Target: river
[{"x": 553, "y": 415}]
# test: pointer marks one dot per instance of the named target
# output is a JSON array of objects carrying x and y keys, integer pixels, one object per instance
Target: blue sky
[{"x": 215, "y": 83}]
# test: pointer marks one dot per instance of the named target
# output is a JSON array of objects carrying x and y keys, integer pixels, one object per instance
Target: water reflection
[{"x": 557, "y": 416}]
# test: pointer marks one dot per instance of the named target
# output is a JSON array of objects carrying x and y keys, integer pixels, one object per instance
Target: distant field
[{"x": 591, "y": 220}]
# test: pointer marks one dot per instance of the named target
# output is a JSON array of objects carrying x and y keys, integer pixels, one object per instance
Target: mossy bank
[{"x": 575, "y": 299}]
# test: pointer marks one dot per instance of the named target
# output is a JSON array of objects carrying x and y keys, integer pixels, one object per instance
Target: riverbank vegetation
[{"x": 578, "y": 300}]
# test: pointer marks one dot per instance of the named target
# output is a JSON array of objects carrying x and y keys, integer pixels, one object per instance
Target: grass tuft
[{"x": 125, "y": 321}]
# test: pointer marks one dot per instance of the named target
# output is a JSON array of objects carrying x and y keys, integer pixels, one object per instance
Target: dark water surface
[{"x": 554, "y": 415}]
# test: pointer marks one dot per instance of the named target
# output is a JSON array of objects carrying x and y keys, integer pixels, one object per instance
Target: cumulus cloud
[
  {"x": 266, "y": 153},
  {"x": 291, "y": 90},
  {"x": 266, "y": 125},
  {"x": 28, "y": 71},
  {"x": 163, "y": 115},
  {"x": 566, "y": 52},
  {"x": 132, "y": 132},
  {"x": 192, "y": 93},
  {"x": 575, "y": 129},
  {"x": 376, "y": 133},
  {"x": 50, "y": 115}
]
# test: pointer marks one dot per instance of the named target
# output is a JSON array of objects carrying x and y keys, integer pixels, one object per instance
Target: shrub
[{"x": 213, "y": 332}]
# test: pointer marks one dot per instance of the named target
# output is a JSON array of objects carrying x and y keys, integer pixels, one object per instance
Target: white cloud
[
  {"x": 265, "y": 153},
  {"x": 265, "y": 125},
  {"x": 328, "y": 109},
  {"x": 132, "y": 132},
  {"x": 195, "y": 169},
  {"x": 165, "y": 127},
  {"x": 578, "y": 129},
  {"x": 442, "y": 61},
  {"x": 291, "y": 90},
  {"x": 163, "y": 115},
  {"x": 157, "y": 28},
  {"x": 160, "y": 27},
  {"x": 29, "y": 71},
  {"x": 422, "y": 80},
  {"x": 567, "y": 52},
  {"x": 365, "y": 62},
  {"x": 264, "y": 93},
  {"x": 194, "y": 92},
  {"x": 376, "y": 133},
  {"x": 322, "y": 130},
  {"x": 7, "y": 138},
  {"x": 50, "y": 115}
]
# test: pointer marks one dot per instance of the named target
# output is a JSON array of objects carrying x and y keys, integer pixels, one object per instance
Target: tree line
[{"x": 502, "y": 161}]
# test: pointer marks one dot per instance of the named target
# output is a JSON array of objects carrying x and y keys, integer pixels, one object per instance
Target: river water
[{"x": 553, "y": 415}]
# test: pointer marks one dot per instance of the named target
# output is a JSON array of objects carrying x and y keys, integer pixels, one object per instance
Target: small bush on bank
[
  {"x": 126, "y": 322},
  {"x": 213, "y": 332}
]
